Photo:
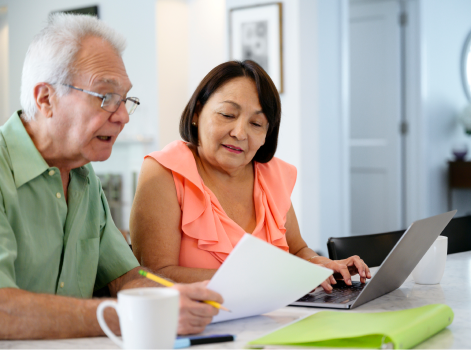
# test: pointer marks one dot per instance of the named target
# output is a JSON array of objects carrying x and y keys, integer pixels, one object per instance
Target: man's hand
[
  {"x": 195, "y": 315},
  {"x": 343, "y": 269}
]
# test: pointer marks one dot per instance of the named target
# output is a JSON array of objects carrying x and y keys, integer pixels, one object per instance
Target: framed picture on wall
[
  {"x": 255, "y": 34},
  {"x": 91, "y": 11}
]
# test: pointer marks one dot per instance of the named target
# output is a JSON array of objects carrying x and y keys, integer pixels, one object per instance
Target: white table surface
[{"x": 454, "y": 290}]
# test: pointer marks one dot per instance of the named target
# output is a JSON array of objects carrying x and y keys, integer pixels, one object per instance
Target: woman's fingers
[
  {"x": 326, "y": 285},
  {"x": 360, "y": 265},
  {"x": 339, "y": 267},
  {"x": 357, "y": 265},
  {"x": 332, "y": 280},
  {"x": 345, "y": 269},
  {"x": 349, "y": 267}
]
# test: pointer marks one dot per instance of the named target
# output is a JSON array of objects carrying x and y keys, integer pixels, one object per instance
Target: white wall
[
  {"x": 207, "y": 34},
  {"x": 444, "y": 28},
  {"x": 190, "y": 42},
  {"x": 172, "y": 22}
]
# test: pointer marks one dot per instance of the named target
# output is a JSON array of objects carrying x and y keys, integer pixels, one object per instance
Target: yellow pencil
[{"x": 166, "y": 283}]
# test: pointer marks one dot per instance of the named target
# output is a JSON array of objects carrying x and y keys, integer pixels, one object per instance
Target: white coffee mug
[
  {"x": 148, "y": 318},
  {"x": 431, "y": 267}
]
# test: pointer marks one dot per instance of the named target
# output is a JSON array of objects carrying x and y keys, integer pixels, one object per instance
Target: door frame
[{"x": 415, "y": 148}]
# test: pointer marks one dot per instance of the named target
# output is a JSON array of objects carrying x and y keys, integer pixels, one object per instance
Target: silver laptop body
[{"x": 397, "y": 266}]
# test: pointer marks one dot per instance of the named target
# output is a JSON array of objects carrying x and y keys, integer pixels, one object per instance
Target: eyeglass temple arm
[
  {"x": 132, "y": 99},
  {"x": 87, "y": 91}
]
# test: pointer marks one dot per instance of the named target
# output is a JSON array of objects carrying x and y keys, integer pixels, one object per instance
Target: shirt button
[
  {"x": 51, "y": 172},
  {"x": 58, "y": 195},
  {"x": 62, "y": 285}
]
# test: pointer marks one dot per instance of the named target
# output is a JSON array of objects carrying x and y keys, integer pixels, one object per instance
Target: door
[{"x": 375, "y": 112}]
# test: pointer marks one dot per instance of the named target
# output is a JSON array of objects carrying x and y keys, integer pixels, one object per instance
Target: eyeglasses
[{"x": 111, "y": 101}]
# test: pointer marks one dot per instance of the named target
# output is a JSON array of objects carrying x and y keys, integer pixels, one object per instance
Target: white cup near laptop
[
  {"x": 431, "y": 267},
  {"x": 148, "y": 318}
]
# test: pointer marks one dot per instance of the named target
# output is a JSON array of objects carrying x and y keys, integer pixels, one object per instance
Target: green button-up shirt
[{"x": 47, "y": 245}]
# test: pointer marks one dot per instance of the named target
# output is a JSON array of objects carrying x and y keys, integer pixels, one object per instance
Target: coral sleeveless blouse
[{"x": 208, "y": 234}]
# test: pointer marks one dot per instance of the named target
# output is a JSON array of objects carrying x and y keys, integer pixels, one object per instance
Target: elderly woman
[{"x": 196, "y": 199}]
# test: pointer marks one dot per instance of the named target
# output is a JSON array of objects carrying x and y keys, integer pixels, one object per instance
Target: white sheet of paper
[{"x": 258, "y": 277}]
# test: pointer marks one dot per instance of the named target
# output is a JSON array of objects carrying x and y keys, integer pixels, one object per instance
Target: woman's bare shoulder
[
  {"x": 153, "y": 169},
  {"x": 155, "y": 192},
  {"x": 154, "y": 175}
]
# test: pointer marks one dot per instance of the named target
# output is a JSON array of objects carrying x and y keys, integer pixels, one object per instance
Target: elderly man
[{"x": 57, "y": 239}]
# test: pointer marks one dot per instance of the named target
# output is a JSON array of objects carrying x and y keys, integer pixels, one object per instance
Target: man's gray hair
[{"x": 52, "y": 54}]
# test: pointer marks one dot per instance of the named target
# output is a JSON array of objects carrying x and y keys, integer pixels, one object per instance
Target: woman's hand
[{"x": 343, "y": 269}]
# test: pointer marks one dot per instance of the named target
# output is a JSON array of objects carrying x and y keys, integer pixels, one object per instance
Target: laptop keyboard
[{"x": 341, "y": 294}]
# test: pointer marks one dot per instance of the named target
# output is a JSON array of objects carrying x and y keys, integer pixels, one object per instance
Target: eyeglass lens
[
  {"x": 112, "y": 101},
  {"x": 131, "y": 106}
]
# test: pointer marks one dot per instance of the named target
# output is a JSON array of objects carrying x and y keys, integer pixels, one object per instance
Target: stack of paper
[{"x": 257, "y": 278}]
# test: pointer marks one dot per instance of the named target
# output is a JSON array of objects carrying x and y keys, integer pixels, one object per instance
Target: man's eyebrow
[
  {"x": 110, "y": 81},
  {"x": 236, "y": 105}
]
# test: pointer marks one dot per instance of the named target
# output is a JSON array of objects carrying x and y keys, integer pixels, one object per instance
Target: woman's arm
[
  {"x": 155, "y": 225},
  {"x": 346, "y": 267}
]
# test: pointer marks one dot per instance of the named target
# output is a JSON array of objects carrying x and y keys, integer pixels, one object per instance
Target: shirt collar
[
  {"x": 27, "y": 163},
  {"x": 82, "y": 171}
]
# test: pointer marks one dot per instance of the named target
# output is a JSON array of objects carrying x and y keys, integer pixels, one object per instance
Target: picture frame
[
  {"x": 255, "y": 33},
  {"x": 90, "y": 10}
]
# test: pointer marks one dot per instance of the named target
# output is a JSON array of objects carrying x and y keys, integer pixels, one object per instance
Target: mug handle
[{"x": 101, "y": 320}]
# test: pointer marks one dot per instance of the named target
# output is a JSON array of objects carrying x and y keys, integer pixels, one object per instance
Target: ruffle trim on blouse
[
  {"x": 203, "y": 218},
  {"x": 270, "y": 212}
]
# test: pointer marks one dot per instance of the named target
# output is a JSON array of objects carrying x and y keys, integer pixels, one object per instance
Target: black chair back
[
  {"x": 458, "y": 232},
  {"x": 373, "y": 249}
]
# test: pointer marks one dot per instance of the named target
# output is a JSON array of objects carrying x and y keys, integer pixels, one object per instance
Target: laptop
[{"x": 392, "y": 273}]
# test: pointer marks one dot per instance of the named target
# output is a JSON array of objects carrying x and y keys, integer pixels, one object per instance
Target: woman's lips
[{"x": 233, "y": 149}]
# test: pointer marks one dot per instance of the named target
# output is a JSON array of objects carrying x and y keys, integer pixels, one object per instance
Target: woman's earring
[{"x": 193, "y": 123}]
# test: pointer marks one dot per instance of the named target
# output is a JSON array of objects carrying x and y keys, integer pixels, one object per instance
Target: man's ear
[{"x": 43, "y": 94}]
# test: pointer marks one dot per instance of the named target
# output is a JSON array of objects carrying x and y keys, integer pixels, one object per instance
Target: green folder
[{"x": 393, "y": 329}]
